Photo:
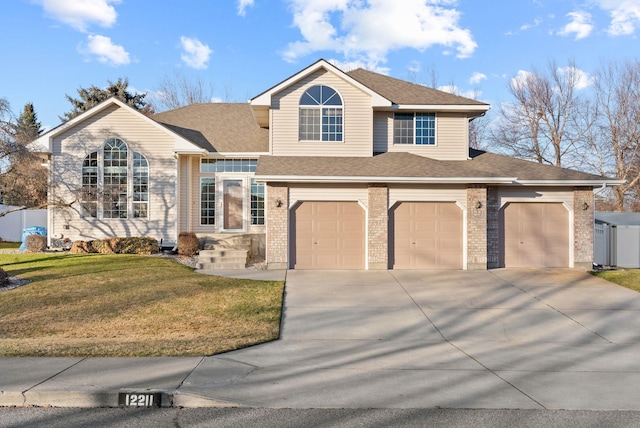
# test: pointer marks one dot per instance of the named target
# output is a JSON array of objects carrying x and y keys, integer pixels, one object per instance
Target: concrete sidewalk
[{"x": 507, "y": 338}]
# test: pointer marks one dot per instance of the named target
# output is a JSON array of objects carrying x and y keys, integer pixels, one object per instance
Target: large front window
[
  {"x": 414, "y": 128},
  {"x": 115, "y": 182},
  {"x": 320, "y": 115}
]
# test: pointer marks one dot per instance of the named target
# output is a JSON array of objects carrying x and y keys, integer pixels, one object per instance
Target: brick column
[
  {"x": 277, "y": 226},
  {"x": 493, "y": 228},
  {"x": 377, "y": 227},
  {"x": 583, "y": 227},
  {"x": 477, "y": 228}
]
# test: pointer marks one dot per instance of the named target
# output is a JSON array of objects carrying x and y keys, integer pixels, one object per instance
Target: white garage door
[
  {"x": 535, "y": 234},
  {"x": 328, "y": 235},
  {"x": 426, "y": 235}
]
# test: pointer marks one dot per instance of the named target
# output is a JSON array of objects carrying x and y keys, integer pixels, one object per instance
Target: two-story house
[{"x": 335, "y": 170}]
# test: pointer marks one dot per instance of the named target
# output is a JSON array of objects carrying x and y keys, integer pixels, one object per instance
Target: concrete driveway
[{"x": 507, "y": 338}]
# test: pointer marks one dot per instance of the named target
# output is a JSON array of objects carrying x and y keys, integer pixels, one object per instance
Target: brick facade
[
  {"x": 377, "y": 227},
  {"x": 493, "y": 228},
  {"x": 277, "y": 212},
  {"x": 477, "y": 228},
  {"x": 583, "y": 218}
]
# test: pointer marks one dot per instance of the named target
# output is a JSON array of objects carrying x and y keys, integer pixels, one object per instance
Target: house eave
[
  {"x": 593, "y": 183},
  {"x": 443, "y": 107},
  {"x": 404, "y": 180}
]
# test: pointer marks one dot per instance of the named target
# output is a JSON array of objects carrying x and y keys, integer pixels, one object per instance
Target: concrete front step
[
  {"x": 221, "y": 265},
  {"x": 222, "y": 258}
]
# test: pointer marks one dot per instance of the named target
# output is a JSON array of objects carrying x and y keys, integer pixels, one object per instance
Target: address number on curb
[{"x": 139, "y": 399}]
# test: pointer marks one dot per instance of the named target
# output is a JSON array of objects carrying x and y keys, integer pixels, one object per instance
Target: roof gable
[
  {"x": 46, "y": 139},
  {"x": 264, "y": 99}
]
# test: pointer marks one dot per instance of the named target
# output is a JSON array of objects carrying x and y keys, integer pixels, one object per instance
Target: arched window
[
  {"x": 121, "y": 177},
  {"x": 115, "y": 179},
  {"x": 320, "y": 115}
]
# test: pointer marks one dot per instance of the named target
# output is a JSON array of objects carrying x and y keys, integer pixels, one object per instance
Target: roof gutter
[
  {"x": 594, "y": 183},
  {"x": 369, "y": 179}
]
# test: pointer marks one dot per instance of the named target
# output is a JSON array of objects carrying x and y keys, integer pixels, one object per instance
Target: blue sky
[{"x": 53, "y": 47}]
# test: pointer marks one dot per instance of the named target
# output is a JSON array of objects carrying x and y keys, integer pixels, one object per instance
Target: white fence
[
  {"x": 617, "y": 245},
  {"x": 12, "y": 224}
]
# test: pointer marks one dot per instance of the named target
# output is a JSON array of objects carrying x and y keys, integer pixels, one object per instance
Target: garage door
[
  {"x": 535, "y": 235},
  {"x": 426, "y": 235},
  {"x": 328, "y": 235}
]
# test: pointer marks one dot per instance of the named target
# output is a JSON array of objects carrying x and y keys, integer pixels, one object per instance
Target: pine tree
[
  {"x": 91, "y": 96},
  {"x": 27, "y": 127}
]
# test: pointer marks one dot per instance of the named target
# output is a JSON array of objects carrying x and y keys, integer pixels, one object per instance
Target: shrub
[
  {"x": 36, "y": 243},
  {"x": 188, "y": 244},
  {"x": 4, "y": 278},
  {"x": 134, "y": 245},
  {"x": 81, "y": 247}
]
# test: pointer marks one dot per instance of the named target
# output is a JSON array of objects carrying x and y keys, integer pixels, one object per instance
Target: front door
[{"x": 233, "y": 204}]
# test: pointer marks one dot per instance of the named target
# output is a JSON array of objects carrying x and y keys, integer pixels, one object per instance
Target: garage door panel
[
  {"x": 328, "y": 235},
  {"x": 426, "y": 235},
  {"x": 535, "y": 234}
]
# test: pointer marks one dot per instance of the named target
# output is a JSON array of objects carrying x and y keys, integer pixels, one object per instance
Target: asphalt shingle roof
[
  {"x": 401, "y": 92},
  {"x": 218, "y": 127},
  {"x": 407, "y": 165}
]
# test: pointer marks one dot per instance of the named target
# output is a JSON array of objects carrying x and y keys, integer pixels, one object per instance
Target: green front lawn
[
  {"x": 130, "y": 305},
  {"x": 9, "y": 245},
  {"x": 629, "y": 278}
]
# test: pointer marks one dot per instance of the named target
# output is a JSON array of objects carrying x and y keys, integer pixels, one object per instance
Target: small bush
[
  {"x": 188, "y": 244},
  {"x": 36, "y": 243},
  {"x": 134, "y": 245},
  {"x": 4, "y": 278},
  {"x": 81, "y": 247}
]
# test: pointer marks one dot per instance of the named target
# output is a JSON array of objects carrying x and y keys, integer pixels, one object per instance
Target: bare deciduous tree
[
  {"x": 615, "y": 138},
  {"x": 180, "y": 90},
  {"x": 541, "y": 123}
]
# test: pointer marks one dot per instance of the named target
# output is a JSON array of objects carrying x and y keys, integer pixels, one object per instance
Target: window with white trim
[
  {"x": 207, "y": 200},
  {"x": 115, "y": 182},
  {"x": 257, "y": 202},
  {"x": 320, "y": 115},
  {"x": 414, "y": 128}
]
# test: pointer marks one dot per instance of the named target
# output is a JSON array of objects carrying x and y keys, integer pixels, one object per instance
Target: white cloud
[
  {"x": 243, "y": 5},
  {"x": 367, "y": 31},
  {"x": 106, "y": 51},
  {"x": 477, "y": 78},
  {"x": 580, "y": 24},
  {"x": 582, "y": 78},
  {"x": 625, "y": 16},
  {"x": 352, "y": 65},
  {"x": 79, "y": 14},
  {"x": 536, "y": 22},
  {"x": 196, "y": 54}
]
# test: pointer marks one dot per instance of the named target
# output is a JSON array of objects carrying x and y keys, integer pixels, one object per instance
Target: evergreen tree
[
  {"x": 91, "y": 96},
  {"x": 27, "y": 127}
]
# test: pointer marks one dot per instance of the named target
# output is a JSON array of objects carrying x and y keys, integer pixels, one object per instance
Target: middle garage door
[
  {"x": 328, "y": 235},
  {"x": 426, "y": 235}
]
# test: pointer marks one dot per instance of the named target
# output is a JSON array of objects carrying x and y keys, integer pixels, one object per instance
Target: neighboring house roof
[
  {"x": 405, "y": 167},
  {"x": 218, "y": 127},
  {"x": 622, "y": 219},
  {"x": 405, "y": 93}
]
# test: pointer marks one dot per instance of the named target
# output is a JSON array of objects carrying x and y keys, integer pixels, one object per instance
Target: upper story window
[
  {"x": 121, "y": 177},
  {"x": 414, "y": 128},
  {"x": 320, "y": 115}
]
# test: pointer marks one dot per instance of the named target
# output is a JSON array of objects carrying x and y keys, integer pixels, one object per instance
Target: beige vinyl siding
[
  {"x": 452, "y": 133},
  {"x": 399, "y": 193},
  {"x": 357, "y": 120},
  {"x": 309, "y": 192},
  {"x": 524, "y": 194},
  {"x": 184, "y": 189},
  {"x": 71, "y": 147}
]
